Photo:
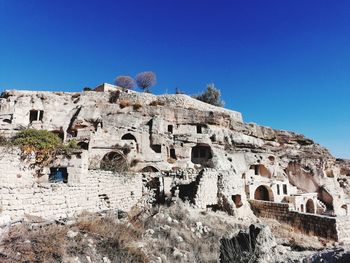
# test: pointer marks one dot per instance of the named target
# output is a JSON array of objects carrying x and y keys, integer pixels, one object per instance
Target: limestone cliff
[{"x": 184, "y": 147}]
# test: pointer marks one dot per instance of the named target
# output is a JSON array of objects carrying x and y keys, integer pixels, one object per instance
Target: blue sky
[{"x": 284, "y": 64}]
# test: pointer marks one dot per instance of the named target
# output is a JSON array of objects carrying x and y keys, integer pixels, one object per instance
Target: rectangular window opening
[
  {"x": 285, "y": 189},
  {"x": 36, "y": 115},
  {"x": 157, "y": 148},
  {"x": 33, "y": 115},
  {"x": 41, "y": 115},
  {"x": 170, "y": 128},
  {"x": 58, "y": 174},
  {"x": 172, "y": 154}
]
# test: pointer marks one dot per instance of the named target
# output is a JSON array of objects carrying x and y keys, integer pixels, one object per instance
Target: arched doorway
[
  {"x": 115, "y": 162},
  {"x": 201, "y": 154},
  {"x": 310, "y": 206},
  {"x": 149, "y": 169},
  {"x": 263, "y": 193}
]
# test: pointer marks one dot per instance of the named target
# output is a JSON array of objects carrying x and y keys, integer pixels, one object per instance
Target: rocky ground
[{"x": 162, "y": 234}]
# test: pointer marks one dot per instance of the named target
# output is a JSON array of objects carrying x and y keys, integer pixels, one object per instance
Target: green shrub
[
  {"x": 37, "y": 140},
  {"x": 45, "y": 144},
  {"x": 211, "y": 95},
  {"x": 69, "y": 148},
  {"x": 4, "y": 141}
]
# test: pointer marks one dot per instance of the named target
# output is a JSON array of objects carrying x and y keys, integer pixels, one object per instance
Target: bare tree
[
  {"x": 125, "y": 82},
  {"x": 211, "y": 95},
  {"x": 145, "y": 80}
]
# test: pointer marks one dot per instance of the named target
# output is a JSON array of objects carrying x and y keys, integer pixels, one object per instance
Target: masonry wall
[
  {"x": 207, "y": 191},
  {"x": 13, "y": 171},
  {"x": 321, "y": 226},
  {"x": 101, "y": 190}
]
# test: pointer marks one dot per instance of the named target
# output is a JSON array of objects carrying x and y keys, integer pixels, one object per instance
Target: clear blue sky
[{"x": 284, "y": 64}]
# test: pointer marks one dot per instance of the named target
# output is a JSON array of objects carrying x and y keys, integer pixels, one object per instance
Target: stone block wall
[
  {"x": 100, "y": 191},
  {"x": 13, "y": 170},
  {"x": 317, "y": 225},
  {"x": 207, "y": 191}
]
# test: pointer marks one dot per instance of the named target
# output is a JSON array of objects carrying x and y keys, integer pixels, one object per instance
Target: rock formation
[{"x": 175, "y": 146}]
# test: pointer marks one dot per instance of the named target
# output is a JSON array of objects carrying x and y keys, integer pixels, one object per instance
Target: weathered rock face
[
  {"x": 252, "y": 245},
  {"x": 205, "y": 153}
]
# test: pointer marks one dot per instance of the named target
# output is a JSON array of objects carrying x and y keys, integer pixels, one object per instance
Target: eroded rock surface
[{"x": 180, "y": 147}]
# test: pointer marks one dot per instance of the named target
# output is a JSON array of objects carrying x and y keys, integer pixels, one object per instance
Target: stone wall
[
  {"x": 343, "y": 229},
  {"x": 207, "y": 191},
  {"x": 100, "y": 191},
  {"x": 318, "y": 225}
]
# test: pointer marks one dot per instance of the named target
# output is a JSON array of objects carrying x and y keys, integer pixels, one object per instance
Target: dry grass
[
  {"x": 116, "y": 240},
  {"x": 177, "y": 235},
  {"x": 157, "y": 103},
  {"x": 137, "y": 106},
  {"x": 24, "y": 245},
  {"x": 124, "y": 103},
  {"x": 96, "y": 237},
  {"x": 171, "y": 160}
]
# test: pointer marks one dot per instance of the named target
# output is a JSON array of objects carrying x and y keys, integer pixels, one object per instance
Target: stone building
[{"x": 173, "y": 144}]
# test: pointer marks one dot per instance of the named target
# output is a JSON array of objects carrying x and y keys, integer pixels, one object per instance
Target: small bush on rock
[
  {"x": 24, "y": 245},
  {"x": 157, "y": 103},
  {"x": 114, "y": 96},
  {"x": 124, "y": 103},
  {"x": 137, "y": 106},
  {"x": 211, "y": 95}
]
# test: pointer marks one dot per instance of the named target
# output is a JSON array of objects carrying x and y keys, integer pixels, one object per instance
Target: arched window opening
[
  {"x": 115, "y": 162},
  {"x": 129, "y": 136},
  {"x": 149, "y": 169}
]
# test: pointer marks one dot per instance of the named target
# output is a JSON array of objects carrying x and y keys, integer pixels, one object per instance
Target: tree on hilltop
[
  {"x": 145, "y": 80},
  {"x": 211, "y": 95},
  {"x": 126, "y": 82}
]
